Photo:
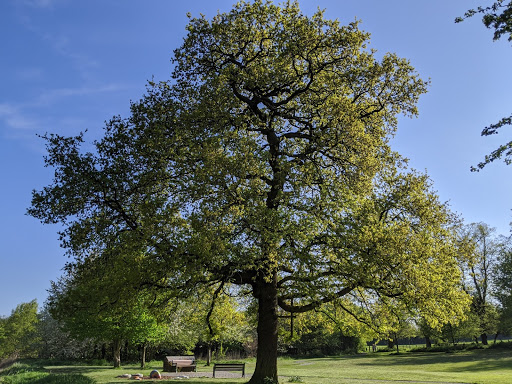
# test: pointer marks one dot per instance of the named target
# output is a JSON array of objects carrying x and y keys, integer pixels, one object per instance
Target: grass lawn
[
  {"x": 488, "y": 366},
  {"x": 481, "y": 366}
]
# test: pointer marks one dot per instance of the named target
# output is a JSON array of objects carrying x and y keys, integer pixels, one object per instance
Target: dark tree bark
[
  {"x": 483, "y": 336},
  {"x": 143, "y": 356},
  {"x": 209, "y": 354},
  {"x": 428, "y": 342},
  {"x": 117, "y": 353},
  {"x": 266, "y": 357}
]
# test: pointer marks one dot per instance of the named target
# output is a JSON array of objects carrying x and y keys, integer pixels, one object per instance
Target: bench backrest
[
  {"x": 183, "y": 362},
  {"x": 226, "y": 366},
  {"x": 186, "y": 357},
  {"x": 229, "y": 367},
  {"x": 229, "y": 364}
]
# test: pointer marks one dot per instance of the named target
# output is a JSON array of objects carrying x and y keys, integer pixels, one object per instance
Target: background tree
[
  {"x": 467, "y": 329},
  {"x": 226, "y": 324},
  {"x": 88, "y": 303},
  {"x": 57, "y": 343},
  {"x": 185, "y": 326},
  {"x": 430, "y": 334},
  {"x": 2, "y": 335},
  {"x": 145, "y": 329},
  {"x": 335, "y": 327},
  {"x": 401, "y": 326},
  {"x": 19, "y": 332},
  {"x": 264, "y": 163},
  {"x": 212, "y": 317},
  {"x": 497, "y": 16},
  {"x": 479, "y": 271},
  {"x": 503, "y": 292}
]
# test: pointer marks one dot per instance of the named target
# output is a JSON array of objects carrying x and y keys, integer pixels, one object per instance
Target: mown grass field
[{"x": 488, "y": 366}]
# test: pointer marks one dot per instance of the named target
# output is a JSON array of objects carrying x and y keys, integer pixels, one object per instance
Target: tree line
[{"x": 221, "y": 324}]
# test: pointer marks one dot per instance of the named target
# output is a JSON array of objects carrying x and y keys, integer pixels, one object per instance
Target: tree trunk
[
  {"x": 483, "y": 336},
  {"x": 143, "y": 356},
  {"x": 428, "y": 342},
  {"x": 266, "y": 356},
  {"x": 117, "y": 353},
  {"x": 291, "y": 323},
  {"x": 209, "y": 354}
]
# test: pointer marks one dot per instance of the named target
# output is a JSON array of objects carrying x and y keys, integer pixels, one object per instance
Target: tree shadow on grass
[
  {"x": 480, "y": 360},
  {"x": 188, "y": 381},
  {"x": 80, "y": 369},
  {"x": 64, "y": 379}
]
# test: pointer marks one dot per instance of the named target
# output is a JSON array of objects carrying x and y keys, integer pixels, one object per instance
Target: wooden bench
[
  {"x": 180, "y": 363},
  {"x": 229, "y": 367}
]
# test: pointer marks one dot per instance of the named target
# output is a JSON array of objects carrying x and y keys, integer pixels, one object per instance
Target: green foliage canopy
[
  {"x": 18, "y": 332},
  {"x": 497, "y": 16},
  {"x": 88, "y": 302},
  {"x": 503, "y": 273}
]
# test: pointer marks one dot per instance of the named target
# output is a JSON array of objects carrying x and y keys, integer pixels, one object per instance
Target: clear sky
[{"x": 67, "y": 66}]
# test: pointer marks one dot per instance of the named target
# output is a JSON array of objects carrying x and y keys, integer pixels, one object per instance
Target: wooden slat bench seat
[
  {"x": 229, "y": 367},
  {"x": 180, "y": 363}
]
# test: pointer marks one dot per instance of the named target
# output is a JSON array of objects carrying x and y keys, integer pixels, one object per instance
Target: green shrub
[
  {"x": 449, "y": 348},
  {"x": 501, "y": 345}
]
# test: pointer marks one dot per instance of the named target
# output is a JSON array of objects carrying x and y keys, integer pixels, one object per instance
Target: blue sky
[{"x": 67, "y": 66}]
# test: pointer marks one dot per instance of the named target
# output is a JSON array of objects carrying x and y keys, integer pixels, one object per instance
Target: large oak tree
[{"x": 264, "y": 162}]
